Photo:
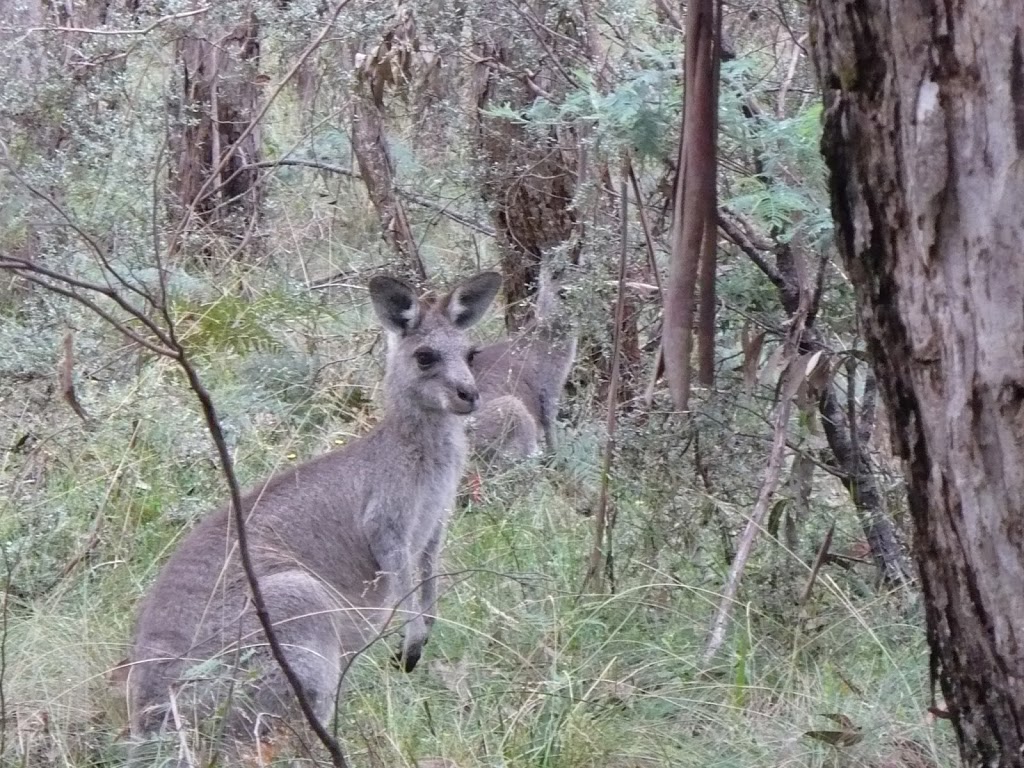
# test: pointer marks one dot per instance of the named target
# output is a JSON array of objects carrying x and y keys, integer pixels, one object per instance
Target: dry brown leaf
[
  {"x": 836, "y": 738},
  {"x": 847, "y": 737},
  {"x": 799, "y": 369},
  {"x": 752, "y": 346},
  {"x": 774, "y": 365}
]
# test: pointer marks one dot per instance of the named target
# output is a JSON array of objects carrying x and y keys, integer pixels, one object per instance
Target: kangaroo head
[
  {"x": 556, "y": 281},
  {"x": 428, "y": 348}
]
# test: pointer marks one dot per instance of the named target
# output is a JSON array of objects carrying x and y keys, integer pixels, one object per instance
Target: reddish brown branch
[{"x": 694, "y": 210}]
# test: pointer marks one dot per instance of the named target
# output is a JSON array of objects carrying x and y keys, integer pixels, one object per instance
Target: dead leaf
[
  {"x": 796, "y": 376},
  {"x": 836, "y": 738},
  {"x": 774, "y": 516},
  {"x": 847, "y": 737},
  {"x": 751, "y": 346},
  {"x": 774, "y": 365}
]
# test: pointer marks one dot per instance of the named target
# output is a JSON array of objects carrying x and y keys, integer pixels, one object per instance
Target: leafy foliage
[{"x": 524, "y": 671}]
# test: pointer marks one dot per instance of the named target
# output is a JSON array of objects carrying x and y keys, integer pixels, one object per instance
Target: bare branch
[
  {"x": 73, "y": 288},
  {"x": 65, "y": 373},
  {"x": 92, "y": 242},
  {"x": 794, "y": 59},
  {"x": 122, "y": 32},
  {"x": 412, "y": 197},
  {"x": 652, "y": 262},
  {"x": 753, "y": 252},
  {"x": 90, "y": 304}
]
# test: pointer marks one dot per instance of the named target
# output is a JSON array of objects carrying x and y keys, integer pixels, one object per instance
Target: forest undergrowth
[
  {"x": 522, "y": 669},
  {"x": 488, "y": 155}
]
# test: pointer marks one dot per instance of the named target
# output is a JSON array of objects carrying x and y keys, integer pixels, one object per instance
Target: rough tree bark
[
  {"x": 378, "y": 173},
  {"x": 219, "y": 85},
  {"x": 529, "y": 174},
  {"x": 924, "y": 138},
  {"x": 388, "y": 65}
]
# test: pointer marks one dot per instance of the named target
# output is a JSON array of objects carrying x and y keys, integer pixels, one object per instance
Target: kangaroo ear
[
  {"x": 469, "y": 300},
  {"x": 395, "y": 303}
]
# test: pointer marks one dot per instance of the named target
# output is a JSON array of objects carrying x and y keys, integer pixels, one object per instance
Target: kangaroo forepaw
[{"x": 406, "y": 659}]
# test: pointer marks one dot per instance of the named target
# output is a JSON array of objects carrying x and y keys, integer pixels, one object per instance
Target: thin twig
[
  {"x": 92, "y": 242},
  {"x": 787, "y": 82},
  {"x": 599, "y": 550},
  {"x": 645, "y": 225},
  {"x": 174, "y": 350},
  {"x": 412, "y": 197},
  {"x": 738, "y": 237},
  {"x": 66, "y": 375},
  {"x": 124, "y": 32},
  {"x": 820, "y": 559},
  {"x": 259, "y": 605},
  {"x": 93, "y": 306}
]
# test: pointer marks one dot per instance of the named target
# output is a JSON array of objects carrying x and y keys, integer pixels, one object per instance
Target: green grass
[{"x": 521, "y": 670}]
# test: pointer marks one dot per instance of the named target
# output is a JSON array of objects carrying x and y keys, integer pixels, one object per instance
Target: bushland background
[{"x": 234, "y": 172}]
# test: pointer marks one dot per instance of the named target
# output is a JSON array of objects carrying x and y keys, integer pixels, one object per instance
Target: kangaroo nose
[{"x": 468, "y": 396}]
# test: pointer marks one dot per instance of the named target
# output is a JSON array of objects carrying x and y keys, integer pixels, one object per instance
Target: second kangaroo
[
  {"x": 521, "y": 380},
  {"x": 338, "y": 543}
]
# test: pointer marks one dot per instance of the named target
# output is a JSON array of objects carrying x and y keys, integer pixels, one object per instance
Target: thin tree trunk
[
  {"x": 378, "y": 173},
  {"x": 695, "y": 211},
  {"x": 854, "y": 462},
  {"x": 924, "y": 138}
]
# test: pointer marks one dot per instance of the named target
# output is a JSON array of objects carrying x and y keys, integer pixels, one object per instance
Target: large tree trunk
[{"x": 924, "y": 137}]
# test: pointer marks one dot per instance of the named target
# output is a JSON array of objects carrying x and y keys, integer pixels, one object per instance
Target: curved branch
[{"x": 412, "y": 197}]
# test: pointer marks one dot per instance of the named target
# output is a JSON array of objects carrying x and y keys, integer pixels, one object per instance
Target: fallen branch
[{"x": 755, "y": 523}]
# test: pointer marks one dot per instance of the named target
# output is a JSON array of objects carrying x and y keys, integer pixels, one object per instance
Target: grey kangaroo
[
  {"x": 339, "y": 543},
  {"x": 521, "y": 380}
]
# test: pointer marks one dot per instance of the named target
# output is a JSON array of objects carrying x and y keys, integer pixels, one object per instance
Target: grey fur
[
  {"x": 339, "y": 543},
  {"x": 503, "y": 431},
  {"x": 531, "y": 368}
]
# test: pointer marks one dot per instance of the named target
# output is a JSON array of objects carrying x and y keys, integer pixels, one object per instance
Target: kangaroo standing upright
[
  {"x": 521, "y": 380},
  {"x": 338, "y": 543}
]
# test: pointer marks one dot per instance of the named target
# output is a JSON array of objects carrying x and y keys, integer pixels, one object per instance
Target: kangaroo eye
[
  {"x": 426, "y": 358},
  {"x": 471, "y": 356}
]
